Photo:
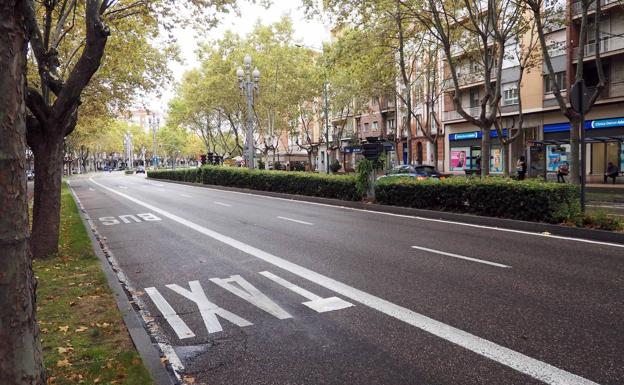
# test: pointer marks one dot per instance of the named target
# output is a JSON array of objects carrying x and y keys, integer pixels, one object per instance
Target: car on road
[
  {"x": 140, "y": 170},
  {"x": 419, "y": 172}
]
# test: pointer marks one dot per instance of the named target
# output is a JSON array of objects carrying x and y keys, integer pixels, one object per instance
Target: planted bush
[
  {"x": 303, "y": 183},
  {"x": 528, "y": 200}
]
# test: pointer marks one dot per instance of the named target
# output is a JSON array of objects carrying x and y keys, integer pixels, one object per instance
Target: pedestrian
[
  {"x": 521, "y": 168},
  {"x": 612, "y": 172},
  {"x": 562, "y": 170},
  {"x": 478, "y": 162}
]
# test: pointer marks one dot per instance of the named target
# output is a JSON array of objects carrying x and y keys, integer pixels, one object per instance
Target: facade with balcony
[{"x": 546, "y": 140}]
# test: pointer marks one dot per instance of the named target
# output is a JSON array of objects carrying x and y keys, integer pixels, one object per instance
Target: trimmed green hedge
[
  {"x": 528, "y": 200},
  {"x": 302, "y": 183}
]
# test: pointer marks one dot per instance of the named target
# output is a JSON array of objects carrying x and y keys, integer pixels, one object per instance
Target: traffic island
[{"x": 84, "y": 338}]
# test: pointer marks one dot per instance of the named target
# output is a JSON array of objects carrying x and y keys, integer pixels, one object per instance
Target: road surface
[{"x": 245, "y": 289}]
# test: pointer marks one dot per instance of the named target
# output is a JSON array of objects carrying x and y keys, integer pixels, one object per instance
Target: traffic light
[{"x": 371, "y": 151}]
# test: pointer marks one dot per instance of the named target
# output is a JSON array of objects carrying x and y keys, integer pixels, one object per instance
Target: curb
[
  {"x": 533, "y": 227},
  {"x": 136, "y": 328}
]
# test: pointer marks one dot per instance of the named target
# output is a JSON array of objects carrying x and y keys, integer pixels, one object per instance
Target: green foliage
[
  {"x": 600, "y": 220},
  {"x": 362, "y": 175},
  {"x": 335, "y": 166},
  {"x": 303, "y": 183},
  {"x": 528, "y": 200}
]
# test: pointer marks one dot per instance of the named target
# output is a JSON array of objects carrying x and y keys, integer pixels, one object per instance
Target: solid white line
[
  {"x": 291, "y": 286},
  {"x": 422, "y": 218},
  {"x": 515, "y": 360},
  {"x": 222, "y": 204},
  {"x": 297, "y": 221},
  {"x": 460, "y": 256}
]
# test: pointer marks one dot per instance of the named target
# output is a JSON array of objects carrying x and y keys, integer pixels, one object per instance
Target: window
[
  {"x": 550, "y": 86},
  {"x": 390, "y": 125},
  {"x": 366, "y": 127},
  {"x": 474, "y": 98},
  {"x": 375, "y": 126},
  {"x": 510, "y": 57},
  {"x": 510, "y": 94}
]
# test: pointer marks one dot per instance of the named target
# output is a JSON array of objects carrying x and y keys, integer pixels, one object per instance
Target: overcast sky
[{"x": 310, "y": 32}]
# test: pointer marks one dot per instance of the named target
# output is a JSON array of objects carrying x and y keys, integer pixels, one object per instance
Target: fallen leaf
[
  {"x": 63, "y": 350},
  {"x": 189, "y": 379},
  {"x": 96, "y": 380},
  {"x": 64, "y": 329},
  {"x": 164, "y": 360},
  {"x": 63, "y": 363},
  {"x": 81, "y": 329}
]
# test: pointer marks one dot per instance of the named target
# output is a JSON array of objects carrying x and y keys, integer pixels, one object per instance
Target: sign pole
[{"x": 581, "y": 96}]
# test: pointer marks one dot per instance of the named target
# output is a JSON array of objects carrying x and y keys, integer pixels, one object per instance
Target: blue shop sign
[
  {"x": 589, "y": 124},
  {"x": 350, "y": 149},
  {"x": 474, "y": 135}
]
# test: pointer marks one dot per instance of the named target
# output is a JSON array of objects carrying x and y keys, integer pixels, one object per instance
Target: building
[{"x": 546, "y": 140}]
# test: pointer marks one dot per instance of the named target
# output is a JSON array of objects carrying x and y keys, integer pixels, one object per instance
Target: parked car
[
  {"x": 140, "y": 170},
  {"x": 418, "y": 172}
]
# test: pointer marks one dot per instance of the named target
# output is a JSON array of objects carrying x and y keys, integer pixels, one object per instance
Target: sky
[{"x": 311, "y": 33}]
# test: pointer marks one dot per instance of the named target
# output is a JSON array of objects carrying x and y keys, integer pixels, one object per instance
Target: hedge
[
  {"x": 528, "y": 200},
  {"x": 302, "y": 183}
]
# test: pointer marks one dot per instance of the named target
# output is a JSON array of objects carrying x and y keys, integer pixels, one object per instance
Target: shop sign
[
  {"x": 351, "y": 149},
  {"x": 474, "y": 135},
  {"x": 606, "y": 123}
]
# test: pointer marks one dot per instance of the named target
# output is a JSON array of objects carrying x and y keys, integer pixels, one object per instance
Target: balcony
[
  {"x": 454, "y": 115},
  {"x": 577, "y": 7},
  {"x": 609, "y": 44},
  {"x": 464, "y": 79}
]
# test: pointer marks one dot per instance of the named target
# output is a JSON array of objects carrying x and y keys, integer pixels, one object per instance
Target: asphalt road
[{"x": 246, "y": 289}]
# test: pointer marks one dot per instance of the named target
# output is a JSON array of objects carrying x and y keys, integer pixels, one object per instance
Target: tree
[
  {"x": 479, "y": 31},
  {"x": 542, "y": 21},
  {"x": 20, "y": 351}
]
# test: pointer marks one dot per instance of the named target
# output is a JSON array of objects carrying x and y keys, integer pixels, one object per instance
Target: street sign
[{"x": 579, "y": 97}]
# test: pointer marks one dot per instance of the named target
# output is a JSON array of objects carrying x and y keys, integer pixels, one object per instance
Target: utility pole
[{"x": 325, "y": 84}]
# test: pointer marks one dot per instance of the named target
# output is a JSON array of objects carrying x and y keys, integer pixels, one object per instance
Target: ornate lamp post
[
  {"x": 248, "y": 83},
  {"x": 129, "y": 152}
]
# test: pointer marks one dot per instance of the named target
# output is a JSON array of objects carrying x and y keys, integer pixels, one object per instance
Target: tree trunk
[
  {"x": 21, "y": 361},
  {"x": 48, "y": 154},
  {"x": 575, "y": 155},
  {"x": 485, "y": 152}
]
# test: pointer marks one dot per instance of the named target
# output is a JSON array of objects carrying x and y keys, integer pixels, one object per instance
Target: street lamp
[
  {"x": 248, "y": 83},
  {"x": 128, "y": 145},
  {"x": 154, "y": 122}
]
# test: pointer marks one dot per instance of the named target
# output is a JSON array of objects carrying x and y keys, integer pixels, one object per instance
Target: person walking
[
  {"x": 521, "y": 168},
  {"x": 612, "y": 172},
  {"x": 562, "y": 170}
]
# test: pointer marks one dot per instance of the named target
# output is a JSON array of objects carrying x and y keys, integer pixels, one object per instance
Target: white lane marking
[
  {"x": 297, "y": 221},
  {"x": 316, "y": 303},
  {"x": 252, "y": 295},
  {"x": 186, "y": 196},
  {"x": 537, "y": 369},
  {"x": 422, "y": 218},
  {"x": 177, "y": 324},
  {"x": 91, "y": 189},
  {"x": 222, "y": 204},
  {"x": 123, "y": 187},
  {"x": 207, "y": 309},
  {"x": 460, "y": 256}
]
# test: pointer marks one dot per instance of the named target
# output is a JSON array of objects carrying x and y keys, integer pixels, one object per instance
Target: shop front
[
  {"x": 465, "y": 149},
  {"x": 604, "y": 141}
]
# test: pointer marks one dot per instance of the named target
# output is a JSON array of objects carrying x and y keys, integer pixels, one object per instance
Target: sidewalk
[{"x": 606, "y": 197}]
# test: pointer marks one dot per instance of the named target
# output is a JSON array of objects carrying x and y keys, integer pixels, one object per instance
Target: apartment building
[{"x": 546, "y": 140}]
